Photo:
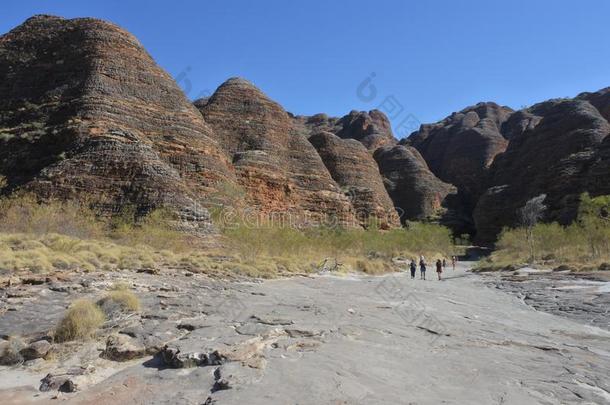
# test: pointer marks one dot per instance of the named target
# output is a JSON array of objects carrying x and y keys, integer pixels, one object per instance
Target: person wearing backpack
[
  {"x": 422, "y": 268},
  {"x": 413, "y": 268}
]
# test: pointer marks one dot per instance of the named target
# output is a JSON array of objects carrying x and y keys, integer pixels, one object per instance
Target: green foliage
[
  {"x": 53, "y": 235},
  {"x": 154, "y": 229},
  {"x": 23, "y": 213},
  {"x": 316, "y": 243},
  {"x": 586, "y": 241}
]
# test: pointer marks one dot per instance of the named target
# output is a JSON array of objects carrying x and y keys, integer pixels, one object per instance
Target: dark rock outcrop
[
  {"x": 372, "y": 129},
  {"x": 563, "y": 156},
  {"x": 85, "y": 111},
  {"x": 411, "y": 185},
  {"x": 600, "y": 100},
  {"x": 460, "y": 148},
  {"x": 355, "y": 170},
  {"x": 274, "y": 161}
]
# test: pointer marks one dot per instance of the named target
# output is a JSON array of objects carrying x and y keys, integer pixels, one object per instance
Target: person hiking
[
  {"x": 453, "y": 260},
  {"x": 439, "y": 268},
  {"x": 413, "y": 268},
  {"x": 422, "y": 268},
  {"x": 444, "y": 263}
]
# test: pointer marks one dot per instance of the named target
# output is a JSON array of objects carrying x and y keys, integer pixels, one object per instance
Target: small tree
[
  {"x": 529, "y": 215},
  {"x": 594, "y": 218}
]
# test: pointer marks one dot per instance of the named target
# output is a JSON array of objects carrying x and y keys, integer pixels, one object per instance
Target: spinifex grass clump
[
  {"x": 122, "y": 298},
  {"x": 81, "y": 321}
]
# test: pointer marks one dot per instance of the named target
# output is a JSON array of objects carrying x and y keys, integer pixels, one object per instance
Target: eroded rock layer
[
  {"x": 562, "y": 157},
  {"x": 372, "y": 129},
  {"x": 274, "y": 161},
  {"x": 85, "y": 111},
  {"x": 355, "y": 170},
  {"x": 460, "y": 148},
  {"x": 411, "y": 185}
]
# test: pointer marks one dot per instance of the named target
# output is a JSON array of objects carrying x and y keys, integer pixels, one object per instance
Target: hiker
[
  {"x": 444, "y": 263},
  {"x": 422, "y": 268},
  {"x": 453, "y": 260},
  {"x": 413, "y": 267},
  {"x": 439, "y": 268}
]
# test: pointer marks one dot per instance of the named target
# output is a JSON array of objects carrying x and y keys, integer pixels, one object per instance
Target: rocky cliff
[
  {"x": 414, "y": 189},
  {"x": 85, "y": 111},
  {"x": 563, "y": 156},
  {"x": 372, "y": 128},
  {"x": 274, "y": 162},
  {"x": 355, "y": 170}
]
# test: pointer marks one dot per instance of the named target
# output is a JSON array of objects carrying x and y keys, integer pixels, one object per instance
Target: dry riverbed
[{"x": 318, "y": 340}]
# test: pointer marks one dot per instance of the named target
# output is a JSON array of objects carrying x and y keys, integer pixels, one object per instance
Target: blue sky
[{"x": 429, "y": 57}]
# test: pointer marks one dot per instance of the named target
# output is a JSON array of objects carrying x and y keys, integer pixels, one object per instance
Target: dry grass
[
  {"x": 10, "y": 351},
  {"x": 81, "y": 321},
  {"x": 68, "y": 236},
  {"x": 369, "y": 250},
  {"x": 122, "y": 298}
]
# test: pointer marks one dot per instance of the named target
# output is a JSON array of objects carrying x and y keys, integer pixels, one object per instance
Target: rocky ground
[
  {"x": 324, "y": 339},
  {"x": 583, "y": 297}
]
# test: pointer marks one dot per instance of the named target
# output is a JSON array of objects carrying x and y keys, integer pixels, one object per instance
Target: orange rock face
[{"x": 273, "y": 161}]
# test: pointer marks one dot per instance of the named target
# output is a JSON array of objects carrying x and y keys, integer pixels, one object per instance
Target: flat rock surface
[{"x": 332, "y": 339}]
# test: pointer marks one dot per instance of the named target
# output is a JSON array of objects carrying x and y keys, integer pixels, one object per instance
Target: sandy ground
[{"x": 362, "y": 340}]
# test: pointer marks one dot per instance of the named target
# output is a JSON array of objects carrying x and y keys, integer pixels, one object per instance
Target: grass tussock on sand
[
  {"x": 69, "y": 236},
  {"x": 583, "y": 245}
]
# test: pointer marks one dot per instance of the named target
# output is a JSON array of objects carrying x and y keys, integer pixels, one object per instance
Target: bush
[
  {"x": 120, "y": 298},
  {"x": 23, "y": 213},
  {"x": 252, "y": 243},
  {"x": 10, "y": 351},
  {"x": 586, "y": 241},
  {"x": 154, "y": 229},
  {"x": 81, "y": 321}
]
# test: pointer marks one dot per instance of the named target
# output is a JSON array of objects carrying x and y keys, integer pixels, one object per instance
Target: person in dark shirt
[
  {"x": 422, "y": 268},
  {"x": 413, "y": 268},
  {"x": 439, "y": 268}
]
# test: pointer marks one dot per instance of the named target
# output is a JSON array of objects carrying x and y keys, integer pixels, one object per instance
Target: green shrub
[
  {"x": 315, "y": 243},
  {"x": 586, "y": 241},
  {"x": 23, "y": 213}
]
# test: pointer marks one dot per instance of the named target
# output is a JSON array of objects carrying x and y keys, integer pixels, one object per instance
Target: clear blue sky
[{"x": 433, "y": 56}]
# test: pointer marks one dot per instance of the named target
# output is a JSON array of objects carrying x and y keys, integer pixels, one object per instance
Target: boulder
[
  {"x": 36, "y": 350},
  {"x": 123, "y": 347}
]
